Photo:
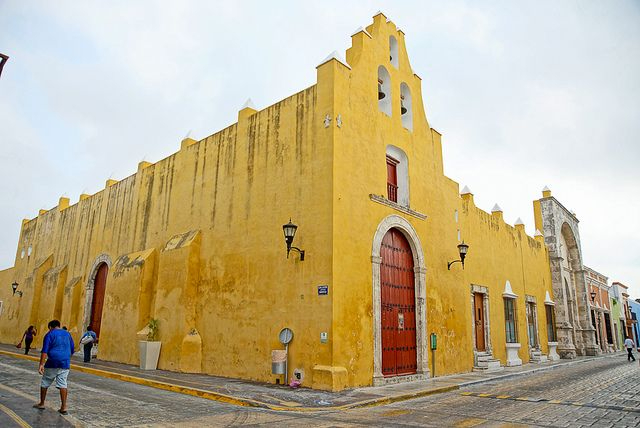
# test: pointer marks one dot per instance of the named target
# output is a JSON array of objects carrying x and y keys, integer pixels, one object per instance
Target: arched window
[
  {"x": 384, "y": 91},
  {"x": 397, "y": 176},
  {"x": 406, "y": 110},
  {"x": 393, "y": 51}
]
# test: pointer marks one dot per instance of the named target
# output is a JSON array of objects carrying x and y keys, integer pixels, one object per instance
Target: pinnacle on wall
[{"x": 248, "y": 104}]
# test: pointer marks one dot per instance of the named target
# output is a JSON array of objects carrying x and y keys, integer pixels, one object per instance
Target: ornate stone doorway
[
  {"x": 95, "y": 293},
  {"x": 401, "y": 229}
]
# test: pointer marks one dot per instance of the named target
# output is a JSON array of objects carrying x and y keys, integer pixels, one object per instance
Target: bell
[
  {"x": 403, "y": 109},
  {"x": 381, "y": 94}
]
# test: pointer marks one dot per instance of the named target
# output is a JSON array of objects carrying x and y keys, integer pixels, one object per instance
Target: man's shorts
[{"x": 51, "y": 374}]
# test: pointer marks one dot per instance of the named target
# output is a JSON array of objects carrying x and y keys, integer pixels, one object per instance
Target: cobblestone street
[{"x": 601, "y": 392}]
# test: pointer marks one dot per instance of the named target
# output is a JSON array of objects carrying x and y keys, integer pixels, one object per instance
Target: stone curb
[
  {"x": 537, "y": 369},
  {"x": 239, "y": 401},
  {"x": 246, "y": 402},
  {"x": 155, "y": 384}
]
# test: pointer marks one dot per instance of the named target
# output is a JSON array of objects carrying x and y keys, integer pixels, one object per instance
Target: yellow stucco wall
[{"x": 196, "y": 241}]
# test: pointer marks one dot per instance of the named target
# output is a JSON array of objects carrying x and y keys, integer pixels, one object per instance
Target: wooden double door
[
  {"x": 398, "y": 306},
  {"x": 99, "y": 288}
]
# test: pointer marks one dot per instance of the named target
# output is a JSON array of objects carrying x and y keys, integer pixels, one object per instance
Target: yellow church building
[{"x": 373, "y": 287}]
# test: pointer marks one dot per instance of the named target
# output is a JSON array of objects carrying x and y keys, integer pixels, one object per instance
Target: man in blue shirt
[{"x": 57, "y": 348}]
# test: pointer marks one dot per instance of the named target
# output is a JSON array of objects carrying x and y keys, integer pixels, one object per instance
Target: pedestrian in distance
[
  {"x": 628, "y": 343},
  {"x": 27, "y": 337},
  {"x": 88, "y": 339},
  {"x": 55, "y": 361}
]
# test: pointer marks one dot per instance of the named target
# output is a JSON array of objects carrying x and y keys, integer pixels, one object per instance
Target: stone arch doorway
[
  {"x": 96, "y": 288},
  {"x": 396, "y": 251}
]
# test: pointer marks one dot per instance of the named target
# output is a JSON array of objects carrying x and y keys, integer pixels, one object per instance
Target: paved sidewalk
[{"x": 282, "y": 398}]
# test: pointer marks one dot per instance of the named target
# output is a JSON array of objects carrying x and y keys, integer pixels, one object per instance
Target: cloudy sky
[{"x": 525, "y": 94}]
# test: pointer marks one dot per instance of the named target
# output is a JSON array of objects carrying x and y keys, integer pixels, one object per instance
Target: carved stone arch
[
  {"x": 573, "y": 251},
  {"x": 102, "y": 258},
  {"x": 394, "y": 221}
]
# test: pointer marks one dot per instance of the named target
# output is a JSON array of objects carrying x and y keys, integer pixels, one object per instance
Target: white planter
[
  {"x": 553, "y": 355},
  {"x": 149, "y": 354},
  {"x": 512, "y": 355}
]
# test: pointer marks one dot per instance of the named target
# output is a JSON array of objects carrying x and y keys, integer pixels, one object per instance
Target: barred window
[{"x": 510, "y": 320}]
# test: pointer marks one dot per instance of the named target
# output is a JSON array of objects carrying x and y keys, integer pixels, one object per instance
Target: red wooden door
[
  {"x": 392, "y": 179},
  {"x": 398, "y": 307},
  {"x": 478, "y": 308},
  {"x": 99, "y": 287}
]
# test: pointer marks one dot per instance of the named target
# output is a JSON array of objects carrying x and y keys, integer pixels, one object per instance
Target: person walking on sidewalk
[
  {"x": 27, "y": 337},
  {"x": 88, "y": 339},
  {"x": 628, "y": 343},
  {"x": 57, "y": 348}
]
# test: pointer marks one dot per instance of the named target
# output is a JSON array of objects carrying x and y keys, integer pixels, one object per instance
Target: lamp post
[
  {"x": 3, "y": 59},
  {"x": 289, "y": 230},
  {"x": 462, "y": 249}
]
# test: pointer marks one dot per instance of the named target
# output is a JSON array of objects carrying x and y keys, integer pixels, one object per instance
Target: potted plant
[{"x": 150, "y": 348}]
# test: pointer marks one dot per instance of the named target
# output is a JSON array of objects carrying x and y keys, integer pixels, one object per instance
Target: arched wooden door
[
  {"x": 99, "y": 286},
  {"x": 398, "y": 306}
]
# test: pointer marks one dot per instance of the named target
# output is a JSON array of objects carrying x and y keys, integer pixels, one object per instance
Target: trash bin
[{"x": 278, "y": 361}]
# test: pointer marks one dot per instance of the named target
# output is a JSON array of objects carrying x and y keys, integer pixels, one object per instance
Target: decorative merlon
[
  {"x": 143, "y": 164},
  {"x": 466, "y": 191},
  {"x": 361, "y": 29},
  {"x": 110, "y": 183},
  {"x": 547, "y": 299},
  {"x": 496, "y": 209},
  {"x": 187, "y": 142},
  {"x": 538, "y": 233},
  {"x": 63, "y": 203},
  {"x": 337, "y": 57},
  {"x": 508, "y": 292},
  {"x": 84, "y": 196},
  {"x": 519, "y": 222},
  {"x": 546, "y": 192}
]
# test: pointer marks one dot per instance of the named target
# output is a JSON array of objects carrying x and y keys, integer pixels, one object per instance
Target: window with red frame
[{"x": 392, "y": 179}]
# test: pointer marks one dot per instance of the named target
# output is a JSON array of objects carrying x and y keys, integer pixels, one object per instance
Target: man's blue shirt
[{"x": 58, "y": 345}]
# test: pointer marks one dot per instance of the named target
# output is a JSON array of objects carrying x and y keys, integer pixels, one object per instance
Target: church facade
[{"x": 380, "y": 293}]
